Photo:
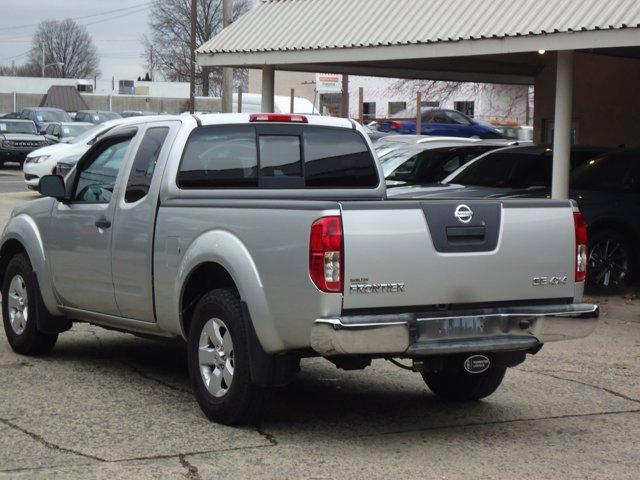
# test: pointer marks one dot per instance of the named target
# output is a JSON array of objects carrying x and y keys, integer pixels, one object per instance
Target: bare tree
[
  {"x": 168, "y": 46},
  {"x": 431, "y": 90},
  {"x": 68, "y": 50}
]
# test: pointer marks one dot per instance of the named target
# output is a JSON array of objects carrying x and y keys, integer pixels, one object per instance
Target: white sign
[{"x": 328, "y": 83}]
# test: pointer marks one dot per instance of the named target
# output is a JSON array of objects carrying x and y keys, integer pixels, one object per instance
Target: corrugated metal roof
[{"x": 298, "y": 25}]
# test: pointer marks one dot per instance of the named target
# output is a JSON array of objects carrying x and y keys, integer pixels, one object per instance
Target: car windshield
[
  {"x": 104, "y": 117},
  {"x": 74, "y": 130},
  {"x": 7, "y": 126},
  {"x": 52, "y": 116},
  {"x": 89, "y": 134},
  {"x": 392, "y": 160}
]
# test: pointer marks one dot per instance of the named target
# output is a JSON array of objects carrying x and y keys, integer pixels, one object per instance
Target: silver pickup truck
[{"x": 264, "y": 239}]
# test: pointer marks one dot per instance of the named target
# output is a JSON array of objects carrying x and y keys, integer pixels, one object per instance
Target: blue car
[
  {"x": 441, "y": 122},
  {"x": 42, "y": 116}
]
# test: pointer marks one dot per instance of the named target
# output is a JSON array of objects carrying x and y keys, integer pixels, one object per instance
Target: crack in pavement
[
  {"x": 192, "y": 470},
  {"x": 580, "y": 382},
  {"x": 499, "y": 422},
  {"x": 145, "y": 375},
  {"x": 41, "y": 440},
  {"x": 268, "y": 436}
]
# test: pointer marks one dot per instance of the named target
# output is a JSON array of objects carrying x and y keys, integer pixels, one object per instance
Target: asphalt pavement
[
  {"x": 11, "y": 178},
  {"x": 112, "y": 405}
]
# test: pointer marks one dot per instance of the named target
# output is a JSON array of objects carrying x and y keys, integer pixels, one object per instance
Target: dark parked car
[
  {"x": 439, "y": 121},
  {"x": 96, "y": 116},
  {"x": 41, "y": 116},
  {"x": 17, "y": 139},
  {"x": 606, "y": 186},
  {"x": 65, "y": 131}
]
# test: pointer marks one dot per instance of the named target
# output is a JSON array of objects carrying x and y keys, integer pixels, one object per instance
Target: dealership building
[{"x": 582, "y": 56}]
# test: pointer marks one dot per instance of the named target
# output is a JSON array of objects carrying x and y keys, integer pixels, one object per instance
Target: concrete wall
[
  {"x": 606, "y": 100},
  {"x": 119, "y": 103}
]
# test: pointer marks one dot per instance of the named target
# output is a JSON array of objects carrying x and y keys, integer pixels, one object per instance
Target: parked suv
[
  {"x": 41, "y": 116},
  {"x": 261, "y": 239},
  {"x": 96, "y": 116},
  {"x": 17, "y": 139}
]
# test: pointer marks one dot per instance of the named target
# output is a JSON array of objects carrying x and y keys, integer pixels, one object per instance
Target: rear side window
[
  {"x": 218, "y": 157},
  {"x": 243, "y": 157},
  {"x": 616, "y": 172},
  {"x": 145, "y": 163},
  {"x": 337, "y": 159}
]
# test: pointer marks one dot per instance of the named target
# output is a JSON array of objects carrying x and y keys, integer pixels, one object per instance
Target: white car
[{"x": 44, "y": 160}]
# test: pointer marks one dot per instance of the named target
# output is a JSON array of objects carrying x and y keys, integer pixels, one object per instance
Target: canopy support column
[
  {"x": 562, "y": 125},
  {"x": 268, "y": 88}
]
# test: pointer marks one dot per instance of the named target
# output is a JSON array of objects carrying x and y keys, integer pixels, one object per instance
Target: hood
[
  {"x": 30, "y": 137},
  {"x": 57, "y": 149}
]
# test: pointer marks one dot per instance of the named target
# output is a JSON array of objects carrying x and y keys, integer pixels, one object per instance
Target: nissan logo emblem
[{"x": 463, "y": 213}]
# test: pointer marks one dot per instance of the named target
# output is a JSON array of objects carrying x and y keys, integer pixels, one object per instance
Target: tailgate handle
[{"x": 465, "y": 234}]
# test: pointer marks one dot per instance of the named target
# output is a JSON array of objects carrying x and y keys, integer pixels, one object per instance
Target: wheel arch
[
  {"x": 22, "y": 235},
  {"x": 221, "y": 260}
]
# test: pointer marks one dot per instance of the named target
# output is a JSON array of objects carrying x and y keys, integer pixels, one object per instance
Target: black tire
[
  {"x": 461, "y": 386},
  {"x": 242, "y": 401},
  {"x": 27, "y": 340},
  {"x": 611, "y": 261}
]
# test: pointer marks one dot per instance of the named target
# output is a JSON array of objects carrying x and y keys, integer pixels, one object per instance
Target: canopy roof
[{"x": 382, "y": 37}]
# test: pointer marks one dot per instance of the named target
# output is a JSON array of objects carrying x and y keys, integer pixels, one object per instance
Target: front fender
[
  {"x": 227, "y": 250},
  {"x": 23, "y": 229}
]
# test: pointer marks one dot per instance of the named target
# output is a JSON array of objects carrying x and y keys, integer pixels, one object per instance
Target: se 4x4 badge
[{"x": 477, "y": 364}]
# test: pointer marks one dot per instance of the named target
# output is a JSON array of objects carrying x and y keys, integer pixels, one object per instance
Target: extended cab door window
[
  {"x": 144, "y": 164},
  {"x": 97, "y": 179}
]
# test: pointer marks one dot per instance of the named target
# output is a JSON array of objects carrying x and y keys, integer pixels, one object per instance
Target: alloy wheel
[
  {"x": 18, "y": 304},
  {"x": 608, "y": 263},
  {"x": 215, "y": 356}
]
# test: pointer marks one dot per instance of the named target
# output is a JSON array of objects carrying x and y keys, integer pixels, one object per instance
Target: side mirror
[{"x": 52, "y": 186}]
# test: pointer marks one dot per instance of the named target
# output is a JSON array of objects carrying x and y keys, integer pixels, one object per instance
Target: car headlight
[{"x": 40, "y": 159}]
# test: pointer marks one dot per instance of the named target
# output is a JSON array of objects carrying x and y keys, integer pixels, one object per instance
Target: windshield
[
  {"x": 104, "y": 117},
  {"x": 52, "y": 116},
  {"x": 392, "y": 160},
  {"x": 89, "y": 134},
  {"x": 74, "y": 130},
  {"x": 7, "y": 126}
]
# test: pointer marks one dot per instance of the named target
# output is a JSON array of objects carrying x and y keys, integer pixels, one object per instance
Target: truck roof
[{"x": 244, "y": 118}]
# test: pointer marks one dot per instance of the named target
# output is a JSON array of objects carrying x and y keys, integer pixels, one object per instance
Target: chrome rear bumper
[{"x": 441, "y": 333}]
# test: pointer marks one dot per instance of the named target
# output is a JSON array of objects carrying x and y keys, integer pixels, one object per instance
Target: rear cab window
[{"x": 276, "y": 156}]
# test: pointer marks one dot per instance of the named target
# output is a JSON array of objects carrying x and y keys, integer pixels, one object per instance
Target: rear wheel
[
  {"x": 21, "y": 306},
  {"x": 610, "y": 261},
  {"x": 218, "y": 357},
  {"x": 461, "y": 386}
]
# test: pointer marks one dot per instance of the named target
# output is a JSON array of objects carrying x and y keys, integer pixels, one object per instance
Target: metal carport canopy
[{"x": 460, "y": 40}]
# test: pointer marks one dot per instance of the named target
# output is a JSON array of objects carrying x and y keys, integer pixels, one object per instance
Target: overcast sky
[{"x": 116, "y": 35}]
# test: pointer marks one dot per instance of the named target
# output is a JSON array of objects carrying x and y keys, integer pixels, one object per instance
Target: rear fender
[{"x": 227, "y": 250}]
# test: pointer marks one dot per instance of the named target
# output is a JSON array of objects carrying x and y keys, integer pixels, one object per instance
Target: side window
[
  {"x": 456, "y": 118},
  {"x": 608, "y": 173},
  {"x": 49, "y": 130},
  {"x": 144, "y": 164},
  {"x": 337, "y": 159},
  {"x": 220, "y": 157},
  {"x": 97, "y": 179}
]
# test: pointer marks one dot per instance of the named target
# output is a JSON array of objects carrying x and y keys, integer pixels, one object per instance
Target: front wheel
[
  {"x": 218, "y": 357},
  {"x": 461, "y": 386},
  {"x": 21, "y": 306}
]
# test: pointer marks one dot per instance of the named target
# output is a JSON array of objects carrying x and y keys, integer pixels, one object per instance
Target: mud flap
[
  {"x": 268, "y": 370},
  {"x": 46, "y": 322}
]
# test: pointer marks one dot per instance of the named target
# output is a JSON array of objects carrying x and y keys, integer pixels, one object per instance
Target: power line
[{"x": 106, "y": 12}]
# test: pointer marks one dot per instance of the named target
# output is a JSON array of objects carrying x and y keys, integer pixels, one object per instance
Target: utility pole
[
  {"x": 227, "y": 73},
  {"x": 192, "y": 65},
  {"x": 43, "y": 62},
  {"x": 344, "y": 111}
]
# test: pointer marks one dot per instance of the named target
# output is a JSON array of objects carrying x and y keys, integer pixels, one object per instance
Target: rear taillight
[
  {"x": 278, "y": 118},
  {"x": 326, "y": 254},
  {"x": 397, "y": 126},
  {"x": 581, "y": 247}
]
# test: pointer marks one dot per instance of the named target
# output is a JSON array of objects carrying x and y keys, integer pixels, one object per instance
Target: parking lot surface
[{"x": 112, "y": 405}]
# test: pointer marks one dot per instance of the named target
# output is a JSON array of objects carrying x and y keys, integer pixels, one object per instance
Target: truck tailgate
[{"x": 410, "y": 253}]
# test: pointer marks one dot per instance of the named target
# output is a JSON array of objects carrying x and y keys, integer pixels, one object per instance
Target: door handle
[{"x": 103, "y": 223}]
